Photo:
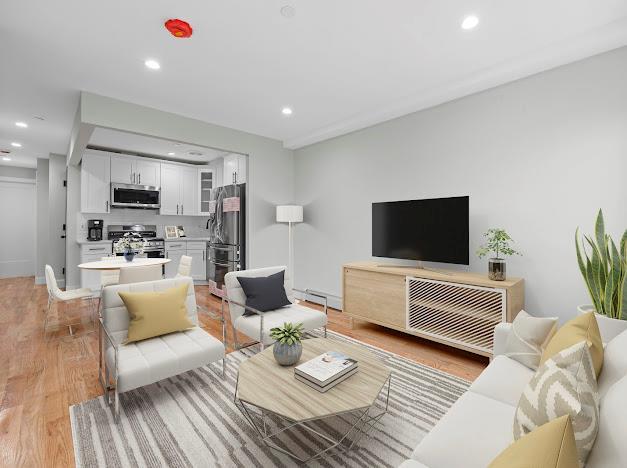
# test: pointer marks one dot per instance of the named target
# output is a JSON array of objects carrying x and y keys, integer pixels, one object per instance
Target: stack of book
[{"x": 326, "y": 371}]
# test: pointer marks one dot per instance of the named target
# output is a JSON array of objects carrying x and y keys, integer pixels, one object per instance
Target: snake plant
[
  {"x": 287, "y": 334},
  {"x": 604, "y": 270}
]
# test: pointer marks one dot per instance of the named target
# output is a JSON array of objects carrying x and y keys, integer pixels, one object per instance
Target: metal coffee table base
[{"x": 365, "y": 422}]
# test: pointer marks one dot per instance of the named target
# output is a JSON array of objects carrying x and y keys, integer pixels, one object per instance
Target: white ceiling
[
  {"x": 104, "y": 138},
  {"x": 340, "y": 65}
]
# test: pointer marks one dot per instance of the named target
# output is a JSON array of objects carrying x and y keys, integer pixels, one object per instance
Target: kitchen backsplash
[{"x": 194, "y": 225}]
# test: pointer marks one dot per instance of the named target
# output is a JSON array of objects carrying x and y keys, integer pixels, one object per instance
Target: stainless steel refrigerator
[{"x": 226, "y": 250}]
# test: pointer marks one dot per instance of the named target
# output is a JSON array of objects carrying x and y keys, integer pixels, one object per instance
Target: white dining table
[{"x": 119, "y": 263}]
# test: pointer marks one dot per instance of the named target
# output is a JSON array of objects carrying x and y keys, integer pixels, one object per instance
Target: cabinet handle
[
  {"x": 98, "y": 250},
  {"x": 177, "y": 209},
  {"x": 181, "y": 209},
  {"x": 140, "y": 178},
  {"x": 203, "y": 255},
  {"x": 107, "y": 206}
]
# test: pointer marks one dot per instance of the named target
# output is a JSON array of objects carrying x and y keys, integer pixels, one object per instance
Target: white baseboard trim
[
  {"x": 40, "y": 280},
  {"x": 333, "y": 302}
]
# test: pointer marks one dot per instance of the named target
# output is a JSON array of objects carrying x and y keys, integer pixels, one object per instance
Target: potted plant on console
[
  {"x": 288, "y": 348},
  {"x": 130, "y": 245},
  {"x": 497, "y": 242},
  {"x": 603, "y": 266}
]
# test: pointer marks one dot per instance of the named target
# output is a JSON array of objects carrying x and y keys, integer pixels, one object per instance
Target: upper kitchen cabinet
[
  {"x": 135, "y": 170},
  {"x": 206, "y": 181},
  {"x": 234, "y": 169},
  {"x": 179, "y": 193},
  {"x": 95, "y": 182}
]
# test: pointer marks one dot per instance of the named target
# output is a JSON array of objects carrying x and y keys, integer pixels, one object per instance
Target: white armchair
[
  {"x": 258, "y": 325},
  {"x": 137, "y": 364}
]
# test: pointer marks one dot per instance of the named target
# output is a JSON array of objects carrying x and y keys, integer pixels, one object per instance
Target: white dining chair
[
  {"x": 55, "y": 295},
  {"x": 185, "y": 266},
  {"x": 140, "y": 274}
]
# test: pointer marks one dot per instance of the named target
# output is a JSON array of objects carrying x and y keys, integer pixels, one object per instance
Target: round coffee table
[{"x": 273, "y": 401}]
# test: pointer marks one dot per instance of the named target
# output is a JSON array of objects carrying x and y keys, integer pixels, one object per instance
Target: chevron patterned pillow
[{"x": 564, "y": 385}]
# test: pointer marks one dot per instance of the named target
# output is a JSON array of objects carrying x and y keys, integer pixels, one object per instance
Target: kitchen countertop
[
  {"x": 101, "y": 242},
  {"x": 187, "y": 239}
]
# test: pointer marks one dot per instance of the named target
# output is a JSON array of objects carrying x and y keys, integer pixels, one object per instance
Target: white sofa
[
  {"x": 137, "y": 364},
  {"x": 258, "y": 325},
  {"x": 480, "y": 424}
]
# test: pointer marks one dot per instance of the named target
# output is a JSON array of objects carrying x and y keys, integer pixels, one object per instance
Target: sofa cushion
[
  {"x": 294, "y": 313},
  {"x": 614, "y": 363},
  {"x": 474, "y": 431},
  {"x": 528, "y": 337},
  {"x": 503, "y": 380},
  {"x": 264, "y": 293},
  {"x": 563, "y": 385},
  {"x": 610, "y": 448},
  {"x": 584, "y": 327},
  {"x": 151, "y": 360},
  {"x": 551, "y": 445}
]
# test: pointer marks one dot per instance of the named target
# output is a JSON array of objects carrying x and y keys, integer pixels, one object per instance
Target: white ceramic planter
[{"x": 608, "y": 327}]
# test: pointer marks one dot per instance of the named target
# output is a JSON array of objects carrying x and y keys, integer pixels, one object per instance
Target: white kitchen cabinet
[
  {"x": 93, "y": 253},
  {"x": 179, "y": 190},
  {"x": 199, "y": 264},
  {"x": 135, "y": 170},
  {"x": 234, "y": 169},
  {"x": 174, "y": 251},
  {"x": 148, "y": 172},
  {"x": 122, "y": 171},
  {"x": 95, "y": 182},
  {"x": 206, "y": 181}
]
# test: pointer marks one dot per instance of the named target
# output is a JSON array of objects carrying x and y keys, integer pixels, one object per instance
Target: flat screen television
[{"x": 433, "y": 230}]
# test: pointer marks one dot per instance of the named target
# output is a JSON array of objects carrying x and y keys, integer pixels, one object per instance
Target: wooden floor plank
[{"x": 41, "y": 375}]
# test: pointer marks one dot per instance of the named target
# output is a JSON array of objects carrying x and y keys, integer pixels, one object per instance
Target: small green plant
[
  {"x": 288, "y": 333},
  {"x": 604, "y": 270},
  {"x": 498, "y": 242}
]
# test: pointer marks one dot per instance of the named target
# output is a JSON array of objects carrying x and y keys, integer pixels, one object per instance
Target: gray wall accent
[
  {"x": 41, "y": 254},
  {"x": 17, "y": 172},
  {"x": 538, "y": 157},
  {"x": 270, "y": 171}
]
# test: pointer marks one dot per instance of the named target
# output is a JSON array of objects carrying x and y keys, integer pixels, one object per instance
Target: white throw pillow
[
  {"x": 528, "y": 337},
  {"x": 565, "y": 384},
  {"x": 614, "y": 363}
]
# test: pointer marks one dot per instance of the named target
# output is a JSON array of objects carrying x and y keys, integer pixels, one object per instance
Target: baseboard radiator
[{"x": 454, "y": 313}]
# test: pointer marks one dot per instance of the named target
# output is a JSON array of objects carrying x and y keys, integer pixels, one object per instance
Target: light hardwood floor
[{"x": 40, "y": 378}]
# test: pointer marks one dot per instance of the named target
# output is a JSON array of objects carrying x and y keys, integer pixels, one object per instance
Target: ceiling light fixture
[
  {"x": 171, "y": 154},
  {"x": 6, "y": 159},
  {"x": 17, "y": 145},
  {"x": 470, "y": 22},
  {"x": 152, "y": 64},
  {"x": 288, "y": 11},
  {"x": 21, "y": 124},
  {"x": 286, "y": 111}
]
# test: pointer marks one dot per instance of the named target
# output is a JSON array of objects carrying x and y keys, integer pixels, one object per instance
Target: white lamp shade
[{"x": 289, "y": 214}]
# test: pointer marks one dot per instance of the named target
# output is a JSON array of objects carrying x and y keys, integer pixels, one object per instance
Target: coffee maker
[{"x": 94, "y": 229}]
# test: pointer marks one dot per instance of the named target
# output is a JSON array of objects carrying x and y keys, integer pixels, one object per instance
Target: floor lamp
[{"x": 290, "y": 214}]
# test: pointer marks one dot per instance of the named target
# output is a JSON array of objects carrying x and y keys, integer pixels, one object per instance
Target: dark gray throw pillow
[{"x": 264, "y": 293}]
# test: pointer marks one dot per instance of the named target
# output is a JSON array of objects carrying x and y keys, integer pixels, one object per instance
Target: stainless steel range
[{"x": 155, "y": 246}]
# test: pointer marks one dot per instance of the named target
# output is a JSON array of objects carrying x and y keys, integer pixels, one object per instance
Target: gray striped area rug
[{"x": 191, "y": 420}]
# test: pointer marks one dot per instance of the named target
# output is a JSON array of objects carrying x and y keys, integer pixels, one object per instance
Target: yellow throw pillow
[
  {"x": 582, "y": 328},
  {"x": 156, "y": 313},
  {"x": 551, "y": 445}
]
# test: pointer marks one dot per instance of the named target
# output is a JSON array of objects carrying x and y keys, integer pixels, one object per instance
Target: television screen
[{"x": 434, "y": 230}]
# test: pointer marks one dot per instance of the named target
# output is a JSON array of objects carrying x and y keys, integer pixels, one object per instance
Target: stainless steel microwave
[{"x": 135, "y": 196}]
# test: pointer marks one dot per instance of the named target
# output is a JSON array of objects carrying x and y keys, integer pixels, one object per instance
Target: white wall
[
  {"x": 41, "y": 253},
  {"x": 538, "y": 157},
  {"x": 17, "y": 236}
]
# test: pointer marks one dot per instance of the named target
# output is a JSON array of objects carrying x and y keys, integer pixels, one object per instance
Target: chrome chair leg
[{"x": 325, "y": 331}]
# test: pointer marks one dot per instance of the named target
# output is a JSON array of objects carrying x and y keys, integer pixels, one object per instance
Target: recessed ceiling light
[
  {"x": 152, "y": 64},
  {"x": 286, "y": 111},
  {"x": 21, "y": 124},
  {"x": 17, "y": 145},
  {"x": 288, "y": 11},
  {"x": 470, "y": 22},
  {"x": 171, "y": 154},
  {"x": 6, "y": 159}
]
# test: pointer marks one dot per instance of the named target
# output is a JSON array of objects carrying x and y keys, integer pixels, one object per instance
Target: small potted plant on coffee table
[
  {"x": 288, "y": 348},
  {"x": 497, "y": 242}
]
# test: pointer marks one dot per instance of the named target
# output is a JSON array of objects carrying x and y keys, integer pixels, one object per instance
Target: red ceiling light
[{"x": 178, "y": 28}]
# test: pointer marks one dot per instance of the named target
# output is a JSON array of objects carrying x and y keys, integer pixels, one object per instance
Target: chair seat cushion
[
  {"x": 470, "y": 435},
  {"x": 151, "y": 360},
  {"x": 294, "y": 313},
  {"x": 503, "y": 380}
]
